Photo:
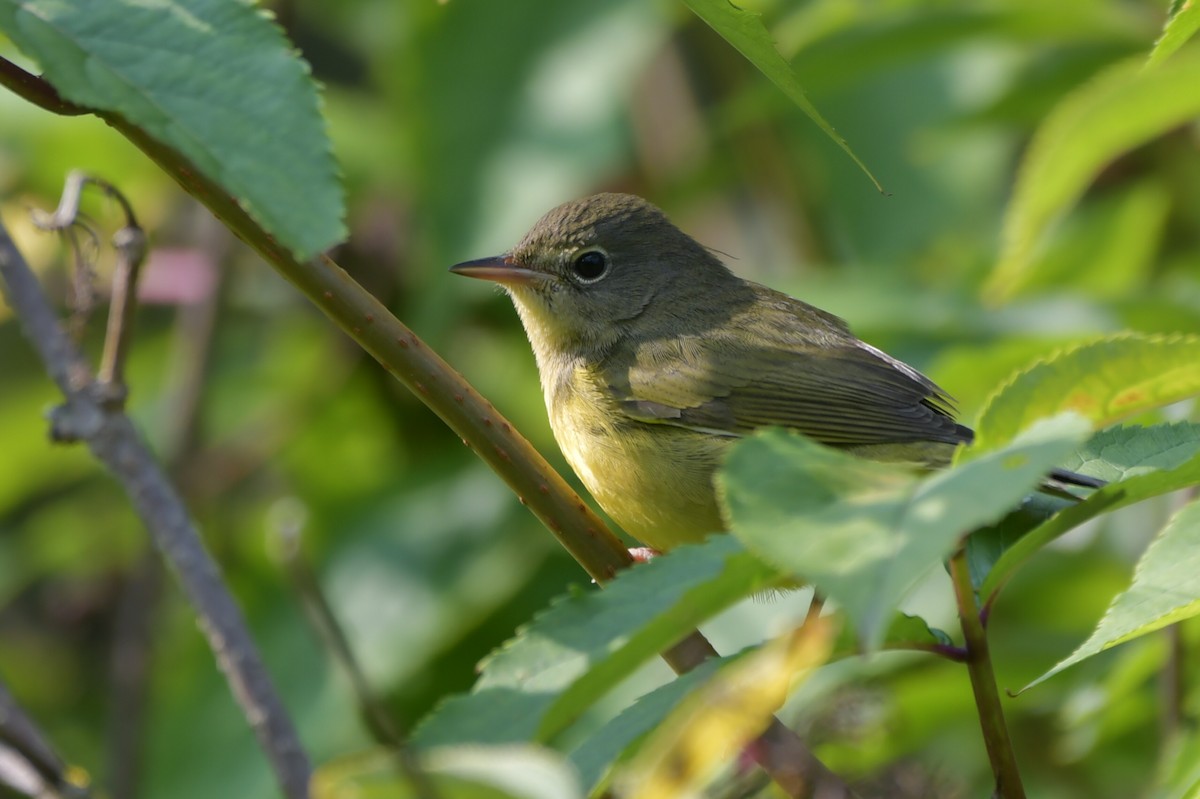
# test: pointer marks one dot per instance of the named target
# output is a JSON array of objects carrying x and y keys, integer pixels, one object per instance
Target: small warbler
[{"x": 654, "y": 358}]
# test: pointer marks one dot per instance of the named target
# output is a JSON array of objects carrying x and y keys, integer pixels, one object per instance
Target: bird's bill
[{"x": 498, "y": 268}]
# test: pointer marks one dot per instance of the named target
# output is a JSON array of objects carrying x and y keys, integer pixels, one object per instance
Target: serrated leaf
[
  {"x": 865, "y": 533},
  {"x": 1138, "y": 462},
  {"x": 1104, "y": 381},
  {"x": 1120, "y": 109},
  {"x": 725, "y": 715},
  {"x": 1165, "y": 590},
  {"x": 1181, "y": 26},
  {"x": 569, "y": 656},
  {"x": 477, "y": 772},
  {"x": 745, "y": 31},
  {"x": 213, "y": 79}
]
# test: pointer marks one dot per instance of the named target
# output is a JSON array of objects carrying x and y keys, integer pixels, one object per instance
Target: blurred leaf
[
  {"x": 1138, "y": 462},
  {"x": 729, "y": 712},
  {"x": 606, "y": 745},
  {"x": 1104, "y": 381},
  {"x": 213, "y": 79},
  {"x": 988, "y": 544},
  {"x": 1120, "y": 109},
  {"x": 904, "y": 632},
  {"x": 1182, "y": 25},
  {"x": 746, "y": 32},
  {"x": 1109, "y": 247},
  {"x": 1165, "y": 590},
  {"x": 864, "y": 532},
  {"x": 499, "y": 772},
  {"x": 1182, "y": 777},
  {"x": 571, "y": 655}
]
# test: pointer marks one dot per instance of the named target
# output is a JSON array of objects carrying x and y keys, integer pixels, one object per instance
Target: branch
[
  {"x": 113, "y": 440},
  {"x": 37, "y": 759},
  {"x": 983, "y": 683},
  {"x": 579, "y": 529},
  {"x": 37, "y": 90}
]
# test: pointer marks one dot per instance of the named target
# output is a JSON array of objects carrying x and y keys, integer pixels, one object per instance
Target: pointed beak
[{"x": 499, "y": 268}]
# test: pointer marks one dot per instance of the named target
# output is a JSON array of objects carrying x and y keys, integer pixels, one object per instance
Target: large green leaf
[
  {"x": 863, "y": 532},
  {"x": 1104, "y": 381},
  {"x": 745, "y": 31},
  {"x": 568, "y": 657},
  {"x": 215, "y": 80},
  {"x": 1122, "y": 108},
  {"x": 1181, "y": 26},
  {"x": 1138, "y": 462},
  {"x": 1165, "y": 590}
]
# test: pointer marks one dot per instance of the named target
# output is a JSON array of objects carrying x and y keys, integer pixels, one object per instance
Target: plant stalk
[{"x": 983, "y": 683}]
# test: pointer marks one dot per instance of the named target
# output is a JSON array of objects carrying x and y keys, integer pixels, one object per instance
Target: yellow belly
[{"x": 654, "y": 480}]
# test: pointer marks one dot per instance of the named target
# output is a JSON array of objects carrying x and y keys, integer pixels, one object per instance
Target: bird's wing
[{"x": 823, "y": 383}]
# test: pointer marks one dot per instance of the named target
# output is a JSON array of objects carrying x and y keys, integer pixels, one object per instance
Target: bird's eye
[{"x": 590, "y": 265}]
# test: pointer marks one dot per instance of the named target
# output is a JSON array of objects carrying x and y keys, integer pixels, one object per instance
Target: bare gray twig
[
  {"x": 113, "y": 439},
  {"x": 33, "y": 762}
]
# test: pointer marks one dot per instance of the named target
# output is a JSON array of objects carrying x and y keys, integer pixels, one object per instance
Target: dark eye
[{"x": 590, "y": 265}]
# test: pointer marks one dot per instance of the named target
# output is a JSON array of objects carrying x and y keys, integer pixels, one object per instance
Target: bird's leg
[{"x": 643, "y": 554}]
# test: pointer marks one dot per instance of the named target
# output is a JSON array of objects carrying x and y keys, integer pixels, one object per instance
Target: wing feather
[{"x": 814, "y": 377}]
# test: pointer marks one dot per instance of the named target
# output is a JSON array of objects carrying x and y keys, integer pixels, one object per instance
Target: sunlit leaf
[
  {"x": 1165, "y": 590},
  {"x": 865, "y": 533},
  {"x": 1138, "y": 462},
  {"x": 745, "y": 31},
  {"x": 1104, "y": 381},
  {"x": 725, "y": 715},
  {"x": 1124, "y": 107},
  {"x": 568, "y": 657},
  {"x": 215, "y": 80},
  {"x": 1182, "y": 25}
]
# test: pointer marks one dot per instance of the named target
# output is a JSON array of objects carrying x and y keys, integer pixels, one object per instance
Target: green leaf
[
  {"x": 1165, "y": 590},
  {"x": 608, "y": 744},
  {"x": 1181, "y": 26},
  {"x": 568, "y": 657},
  {"x": 214, "y": 79},
  {"x": 1181, "y": 777},
  {"x": 1104, "y": 381},
  {"x": 500, "y": 772},
  {"x": 863, "y": 532},
  {"x": 1122, "y": 108},
  {"x": 1138, "y": 462},
  {"x": 746, "y": 32}
]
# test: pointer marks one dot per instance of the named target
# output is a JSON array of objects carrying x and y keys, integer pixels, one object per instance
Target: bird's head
[{"x": 592, "y": 270}]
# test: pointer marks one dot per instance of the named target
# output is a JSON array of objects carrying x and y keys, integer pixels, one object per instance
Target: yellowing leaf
[
  {"x": 725, "y": 715},
  {"x": 1104, "y": 381}
]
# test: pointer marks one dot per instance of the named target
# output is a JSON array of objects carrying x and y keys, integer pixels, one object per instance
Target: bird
[{"x": 654, "y": 359}]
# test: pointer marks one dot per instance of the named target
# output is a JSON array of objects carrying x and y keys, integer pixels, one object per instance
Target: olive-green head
[{"x": 592, "y": 270}]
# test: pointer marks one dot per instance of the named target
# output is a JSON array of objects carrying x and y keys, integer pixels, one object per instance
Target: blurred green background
[{"x": 457, "y": 125}]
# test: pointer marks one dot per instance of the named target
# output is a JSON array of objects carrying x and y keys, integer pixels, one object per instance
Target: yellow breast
[{"x": 654, "y": 480}]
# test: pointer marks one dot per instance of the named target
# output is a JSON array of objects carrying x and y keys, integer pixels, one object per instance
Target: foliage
[{"x": 1041, "y": 157}]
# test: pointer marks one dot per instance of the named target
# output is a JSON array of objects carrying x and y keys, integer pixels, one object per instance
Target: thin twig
[
  {"x": 21, "y": 735},
  {"x": 192, "y": 336},
  {"x": 983, "y": 683},
  {"x": 113, "y": 440},
  {"x": 380, "y": 722},
  {"x": 130, "y": 244},
  {"x": 130, "y": 664}
]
